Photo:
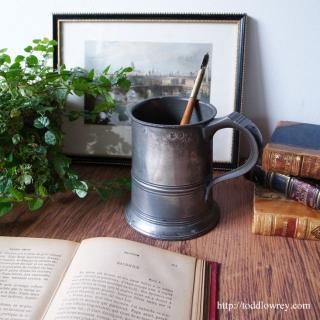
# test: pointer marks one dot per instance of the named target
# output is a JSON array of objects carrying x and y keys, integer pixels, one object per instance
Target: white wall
[{"x": 283, "y": 47}]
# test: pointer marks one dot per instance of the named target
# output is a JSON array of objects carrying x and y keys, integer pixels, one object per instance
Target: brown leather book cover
[
  {"x": 290, "y": 160},
  {"x": 276, "y": 215}
]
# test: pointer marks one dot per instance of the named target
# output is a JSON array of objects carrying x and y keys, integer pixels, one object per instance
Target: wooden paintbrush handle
[{"x": 188, "y": 111}]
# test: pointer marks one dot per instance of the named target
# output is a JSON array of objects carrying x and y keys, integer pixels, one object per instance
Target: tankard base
[{"x": 172, "y": 230}]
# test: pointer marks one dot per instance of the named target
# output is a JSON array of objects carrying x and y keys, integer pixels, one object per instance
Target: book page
[
  {"x": 114, "y": 279},
  {"x": 197, "y": 289},
  {"x": 30, "y": 270}
]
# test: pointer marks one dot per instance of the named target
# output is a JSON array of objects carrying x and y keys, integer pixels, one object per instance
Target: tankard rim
[{"x": 145, "y": 123}]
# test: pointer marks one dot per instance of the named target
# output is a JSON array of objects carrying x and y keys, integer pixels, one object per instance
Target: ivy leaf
[
  {"x": 79, "y": 86},
  {"x": 50, "y": 138},
  {"x": 65, "y": 74},
  {"x": 41, "y": 190},
  {"x": 102, "y": 107},
  {"x": 27, "y": 179},
  {"x": 41, "y": 150},
  {"x": 17, "y": 195},
  {"x": 124, "y": 84},
  {"x": 40, "y": 47},
  {"x": 12, "y": 170},
  {"x": 53, "y": 43},
  {"x": 10, "y": 157},
  {"x": 41, "y": 122},
  {"x": 81, "y": 189},
  {"x": 5, "y": 207},
  {"x": 106, "y": 70},
  {"x": 5, "y": 184},
  {"x": 105, "y": 80},
  {"x": 35, "y": 204},
  {"x": 52, "y": 76},
  {"x": 16, "y": 138},
  {"x": 61, "y": 163},
  {"x": 4, "y": 200},
  {"x": 6, "y": 58},
  {"x": 19, "y": 58},
  {"x": 126, "y": 70},
  {"x": 12, "y": 74},
  {"x": 61, "y": 95},
  {"x": 16, "y": 68},
  {"x": 32, "y": 60},
  {"x": 90, "y": 75},
  {"x": 105, "y": 105},
  {"x": 15, "y": 113},
  {"x": 28, "y": 49}
]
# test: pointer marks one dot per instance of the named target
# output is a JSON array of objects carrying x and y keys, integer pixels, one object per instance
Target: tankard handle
[{"x": 251, "y": 132}]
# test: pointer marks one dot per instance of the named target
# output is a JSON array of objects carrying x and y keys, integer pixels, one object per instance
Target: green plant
[{"x": 33, "y": 99}]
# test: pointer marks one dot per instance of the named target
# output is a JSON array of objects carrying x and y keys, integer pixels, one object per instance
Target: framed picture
[{"x": 165, "y": 51}]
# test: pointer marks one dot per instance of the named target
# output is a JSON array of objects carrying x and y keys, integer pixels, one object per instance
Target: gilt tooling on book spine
[
  {"x": 276, "y": 215},
  {"x": 294, "y": 149},
  {"x": 304, "y": 191},
  {"x": 291, "y": 160}
]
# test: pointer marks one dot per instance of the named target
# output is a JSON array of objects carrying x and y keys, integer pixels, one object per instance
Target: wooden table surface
[{"x": 255, "y": 270}]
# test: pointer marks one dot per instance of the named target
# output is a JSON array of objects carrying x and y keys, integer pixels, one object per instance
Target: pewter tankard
[{"x": 171, "y": 173}]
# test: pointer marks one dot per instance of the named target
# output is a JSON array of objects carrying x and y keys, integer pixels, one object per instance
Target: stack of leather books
[{"x": 287, "y": 197}]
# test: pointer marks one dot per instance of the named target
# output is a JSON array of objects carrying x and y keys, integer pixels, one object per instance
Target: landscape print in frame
[{"x": 165, "y": 51}]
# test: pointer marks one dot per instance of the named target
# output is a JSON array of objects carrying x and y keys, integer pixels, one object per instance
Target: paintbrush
[{"x": 193, "y": 97}]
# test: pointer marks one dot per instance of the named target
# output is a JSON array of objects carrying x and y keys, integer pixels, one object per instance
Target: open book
[{"x": 102, "y": 278}]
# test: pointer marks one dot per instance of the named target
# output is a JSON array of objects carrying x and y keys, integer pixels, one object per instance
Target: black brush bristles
[{"x": 205, "y": 60}]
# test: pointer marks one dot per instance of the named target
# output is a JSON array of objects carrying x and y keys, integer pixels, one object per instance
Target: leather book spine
[
  {"x": 290, "y": 163},
  {"x": 286, "y": 226},
  {"x": 281, "y": 161},
  {"x": 303, "y": 192},
  {"x": 310, "y": 167},
  {"x": 299, "y": 190}
]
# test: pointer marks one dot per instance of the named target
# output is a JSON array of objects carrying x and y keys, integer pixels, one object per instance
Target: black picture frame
[{"x": 236, "y": 22}]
